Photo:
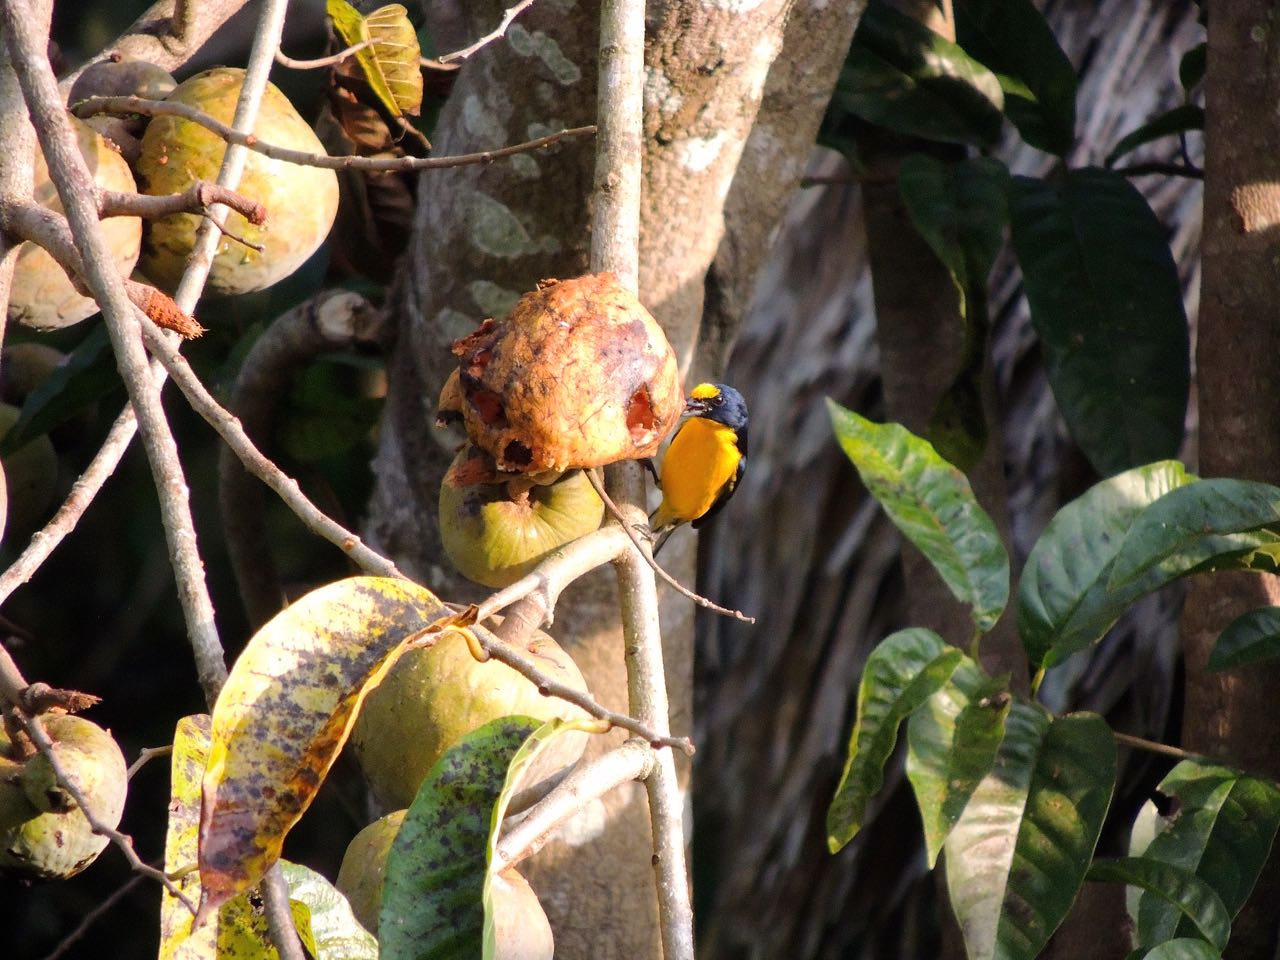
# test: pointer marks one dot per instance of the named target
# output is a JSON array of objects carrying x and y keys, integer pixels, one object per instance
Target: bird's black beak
[{"x": 696, "y": 406}]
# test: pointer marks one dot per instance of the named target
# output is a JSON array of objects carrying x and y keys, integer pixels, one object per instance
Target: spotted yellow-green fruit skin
[{"x": 301, "y": 201}]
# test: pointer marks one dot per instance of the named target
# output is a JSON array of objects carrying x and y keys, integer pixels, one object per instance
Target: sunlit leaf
[
  {"x": 391, "y": 63},
  {"x": 1013, "y": 39},
  {"x": 187, "y": 763},
  {"x": 286, "y": 710},
  {"x": 1178, "y": 887},
  {"x": 1180, "y": 119},
  {"x": 1107, "y": 306},
  {"x": 1193, "y": 526},
  {"x": 952, "y": 741},
  {"x": 901, "y": 673},
  {"x": 901, "y": 75},
  {"x": 329, "y": 929},
  {"x": 1064, "y": 604},
  {"x": 931, "y": 502},
  {"x": 1018, "y": 855},
  {"x": 1184, "y": 948},
  {"x": 1250, "y": 638},
  {"x": 1222, "y": 831}
]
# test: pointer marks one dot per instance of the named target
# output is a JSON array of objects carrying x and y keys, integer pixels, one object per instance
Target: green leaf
[
  {"x": 1013, "y": 39},
  {"x": 331, "y": 931},
  {"x": 952, "y": 741},
  {"x": 960, "y": 210},
  {"x": 86, "y": 375},
  {"x": 1222, "y": 831},
  {"x": 1018, "y": 855},
  {"x": 1184, "y": 948},
  {"x": 1250, "y": 638},
  {"x": 1180, "y": 119},
  {"x": 901, "y": 673},
  {"x": 1181, "y": 889},
  {"x": 433, "y": 895},
  {"x": 1191, "y": 67},
  {"x": 903, "y": 76},
  {"x": 1195, "y": 527},
  {"x": 1064, "y": 604},
  {"x": 1107, "y": 306},
  {"x": 391, "y": 63},
  {"x": 931, "y": 502}
]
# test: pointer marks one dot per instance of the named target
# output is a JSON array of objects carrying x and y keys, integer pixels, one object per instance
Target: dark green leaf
[
  {"x": 85, "y": 376},
  {"x": 1013, "y": 39},
  {"x": 1192, "y": 528},
  {"x": 960, "y": 210},
  {"x": 1180, "y": 888},
  {"x": 1064, "y": 604},
  {"x": 904, "y": 76},
  {"x": 952, "y": 741},
  {"x": 932, "y": 503},
  {"x": 1107, "y": 306},
  {"x": 433, "y": 898},
  {"x": 901, "y": 673},
  {"x": 1250, "y": 638},
  {"x": 1222, "y": 832},
  {"x": 1191, "y": 68},
  {"x": 1180, "y": 119},
  {"x": 1184, "y": 948},
  {"x": 1017, "y": 856}
]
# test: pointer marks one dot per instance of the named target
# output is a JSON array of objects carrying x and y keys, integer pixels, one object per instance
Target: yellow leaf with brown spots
[
  {"x": 190, "y": 752},
  {"x": 285, "y": 712}
]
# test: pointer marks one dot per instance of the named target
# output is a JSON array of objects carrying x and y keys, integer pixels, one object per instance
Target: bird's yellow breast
[{"x": 701, "y": 461}]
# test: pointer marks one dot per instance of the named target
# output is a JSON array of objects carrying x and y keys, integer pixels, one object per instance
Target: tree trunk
[
  {"x": 1232, "y": 715},
  {"x": 483, "y": 235}
]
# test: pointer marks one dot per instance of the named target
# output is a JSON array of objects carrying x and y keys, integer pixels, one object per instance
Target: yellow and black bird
[{"x": 705, "y": 460}]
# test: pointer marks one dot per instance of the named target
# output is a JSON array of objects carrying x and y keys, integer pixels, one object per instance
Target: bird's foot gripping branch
[{"x": 996, "y": 771}]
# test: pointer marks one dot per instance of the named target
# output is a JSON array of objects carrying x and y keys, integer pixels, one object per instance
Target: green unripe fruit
[
  {"x": 43, "y": 295},
  {"x": 433, "y": 697},
  {"x": 494, "y": 537},
  {"x": 56, "y": 841},
  {"x": 300, "y": 201},
  {"x": 364, "y": 868}
]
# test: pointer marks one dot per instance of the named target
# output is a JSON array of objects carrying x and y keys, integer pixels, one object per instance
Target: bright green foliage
[
  {"x": 1249, "y": 638},
  {"x": 1180, "y": 888},
  {"x": 901, "y": 673},
  {"x": 931, "y": 502}
]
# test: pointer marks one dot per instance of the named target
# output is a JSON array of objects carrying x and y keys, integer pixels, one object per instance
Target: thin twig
[
  {"x": 145, "y": 756},
  {"x": 197, "y": 198},
  {"x": 1163, "y": 749},
  {"x": 93, "y": 916},
  {"x": 159, "y": 108},
  {"x": 280, "y": 925},
  {"x": 671, "y": 581},
  {"x": 77, "y": 193},
  {"x": 550, "y": 687},
  {"x": 332, "y": 60},
  {"x": 12, "y": 686},
  {"x": 508, "y": 16},
  {"x": 588, "y": 781},
  {"x": 1190, "y": 171}
]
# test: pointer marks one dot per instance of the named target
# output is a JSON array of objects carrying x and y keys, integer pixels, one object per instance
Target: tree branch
[
  {"x": 588, "y": 781},
  {"x": 161, "y": 108},
  {"x": 508, "y": 16},
  {"x": 329, "y": 61},
  {"x": 199, "y": 198}
]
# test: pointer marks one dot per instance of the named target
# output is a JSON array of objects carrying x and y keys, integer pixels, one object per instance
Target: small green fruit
[
  {"x": 56, "y": 841},
  {"x": 43, "y": 296},
  {"x": 301, "y": 201},
  {"x": 364, "y": 868},
  {"x": 494, "y": 537},
  {"x": 432, "y": 698}
]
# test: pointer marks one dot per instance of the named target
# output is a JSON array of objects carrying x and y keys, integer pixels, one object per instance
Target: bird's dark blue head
[{"x": 718, "y": 402}]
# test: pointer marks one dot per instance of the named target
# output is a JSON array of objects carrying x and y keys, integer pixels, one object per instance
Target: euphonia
[{"x": 705, "y": 460}]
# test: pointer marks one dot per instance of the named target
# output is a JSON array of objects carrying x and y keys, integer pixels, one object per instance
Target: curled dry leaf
[
  {"x": 579, "y": 375},
  {"x": 285, "y": 712}
]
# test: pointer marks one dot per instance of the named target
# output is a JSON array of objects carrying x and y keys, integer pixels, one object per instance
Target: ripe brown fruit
[
  {"x": 300, "y": 201},
  {"x": 43, "y": 295},
  {"x": 433, "y": 697}
]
